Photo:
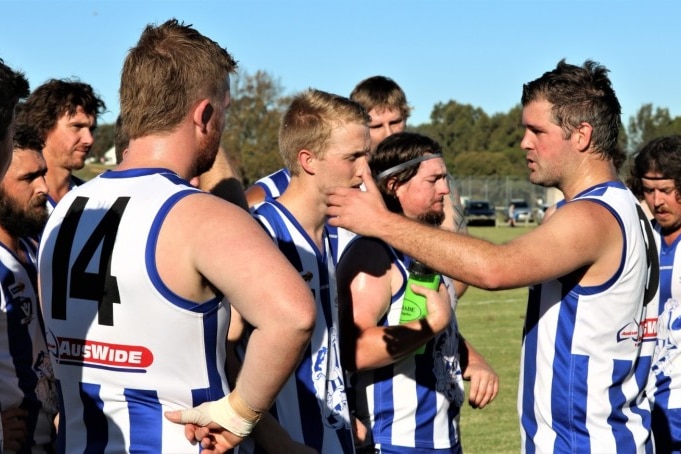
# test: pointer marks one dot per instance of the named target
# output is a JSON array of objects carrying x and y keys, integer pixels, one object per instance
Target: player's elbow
[
  {"x": 491, "y": 278},
  {"x": 302, "y": 320}
]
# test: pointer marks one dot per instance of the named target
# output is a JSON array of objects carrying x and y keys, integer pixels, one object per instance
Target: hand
[
  {"x": 359, "y": 430},
  {"x": 357, "y": 210},
  {"x": 438, "y": 305},
  {"x": 14, "y": 429},
  {"x": 200, "y": 427},
  {"x": 484, "y": 383}
]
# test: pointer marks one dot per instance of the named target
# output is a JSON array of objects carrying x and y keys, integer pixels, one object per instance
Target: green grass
[
  {"x": 493, "y": 323},
  {"x": 91, "y": 170}
]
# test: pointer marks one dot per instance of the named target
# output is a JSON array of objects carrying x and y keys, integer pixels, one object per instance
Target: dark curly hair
[
  {"x": 55, "y": 98},
  {"x": 660, "y": 155}
]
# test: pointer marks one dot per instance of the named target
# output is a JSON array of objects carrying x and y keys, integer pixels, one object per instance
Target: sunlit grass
[{"x": 493, "y": 322}]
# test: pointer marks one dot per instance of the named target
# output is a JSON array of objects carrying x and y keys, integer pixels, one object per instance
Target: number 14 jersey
[{"x": 125, "y": 348}]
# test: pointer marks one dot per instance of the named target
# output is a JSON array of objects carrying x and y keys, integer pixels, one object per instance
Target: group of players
[{"x": 144, "y": 275}]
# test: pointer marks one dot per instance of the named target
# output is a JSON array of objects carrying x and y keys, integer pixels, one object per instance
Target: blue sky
[{"x": 477, "y": 52}]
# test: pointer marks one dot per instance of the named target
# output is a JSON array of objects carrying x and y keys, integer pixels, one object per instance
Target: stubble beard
[
  {"x": 433, "y": 218},
  {"x": 208, "y": 152}
]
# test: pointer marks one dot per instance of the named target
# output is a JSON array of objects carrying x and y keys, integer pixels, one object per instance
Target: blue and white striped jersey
[
  {"x": 312, "y": 406},
  {"x": 580, "y": 384},
  {"x": 26, "y": 376},
  {"x": 414, "y": 403},
  {"x": 275, "y": 183},
  {"x": 664, "y": 388},
  {"x": 120, "y": 340}
]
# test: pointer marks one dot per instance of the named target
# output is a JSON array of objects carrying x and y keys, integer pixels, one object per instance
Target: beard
[
  {"x": 432, "y": 218},
  {"x": 20, "y": 222},
  {"x": 209, "y": 148}
]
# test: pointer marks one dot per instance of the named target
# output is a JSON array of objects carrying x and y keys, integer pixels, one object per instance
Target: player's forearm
[
  {"x": 461, "y": 257},
  {"x": 271, "y": 357},
  {"x": 383, "y": 346}
]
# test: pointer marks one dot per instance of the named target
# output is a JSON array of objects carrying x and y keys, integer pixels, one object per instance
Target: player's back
[{"x": 125, "y": 348}]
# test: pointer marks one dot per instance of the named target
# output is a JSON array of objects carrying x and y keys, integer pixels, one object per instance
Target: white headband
[{"x": 404, "y": 165}]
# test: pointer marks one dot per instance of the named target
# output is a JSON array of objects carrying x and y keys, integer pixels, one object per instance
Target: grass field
[{"x": 493, "y": 323}]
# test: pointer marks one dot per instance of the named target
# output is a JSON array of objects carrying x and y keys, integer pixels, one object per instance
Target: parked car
[
  {"x": 480, "y": 212},
  {"x": 522, "y": 212}
]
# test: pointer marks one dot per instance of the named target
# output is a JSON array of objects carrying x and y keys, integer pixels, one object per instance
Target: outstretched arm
[{"x": 553, "y": 249}]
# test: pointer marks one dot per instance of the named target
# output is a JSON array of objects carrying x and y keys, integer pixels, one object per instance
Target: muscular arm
[
  {"x": 580, "y": 235},
  {"x": 366, "y": 282},
  {"x": 206, "y": 243}
]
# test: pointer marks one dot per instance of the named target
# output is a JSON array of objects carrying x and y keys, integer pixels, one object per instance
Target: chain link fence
[{"x": 499, "y": 191}]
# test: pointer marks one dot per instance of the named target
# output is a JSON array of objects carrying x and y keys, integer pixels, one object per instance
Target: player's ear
[
  {"x": 582, "y": 136},
  {"x": 203, "y": 112},
  {"x": 306, "y": 160},
  {"x": 392, "y": 185}
]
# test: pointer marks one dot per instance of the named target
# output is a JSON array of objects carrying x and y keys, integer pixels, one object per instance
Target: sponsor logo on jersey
[
  {"x": 649, "y": 329},
  {"x": 633, "y": 331},
  {"x": 91, "y": 353}
]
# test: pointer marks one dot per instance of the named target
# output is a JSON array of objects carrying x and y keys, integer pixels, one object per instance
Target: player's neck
[
  {"x": 161, "y": 151},
  {"x": 58, "y": 181},
  {"x": 670, "y": 236},
  {"x": 307, "y": 205},
  {"x": 11, "y": 242},
  {"x": 587, "y": 177}
]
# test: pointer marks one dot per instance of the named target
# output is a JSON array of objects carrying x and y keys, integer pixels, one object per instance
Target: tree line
[{"x": 475, "y": 143}]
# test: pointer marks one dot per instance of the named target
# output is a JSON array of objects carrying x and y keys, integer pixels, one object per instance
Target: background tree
[
  {"x": 252, "y": 124},
  {"x": 457, "y": 128},
  {"x": 648, "y": 124},
  {"x": 481, "y": 163},
  {"x": 104, "y": 140}
]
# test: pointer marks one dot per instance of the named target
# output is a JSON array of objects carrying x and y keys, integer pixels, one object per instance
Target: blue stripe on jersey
[
  {"x": 566, "y": 392},
  {"x": 617, "y": 419},
  {"x": 134, "y": 173},
  {"x": 144, "y": 410},
  {"x": 313, "y": 430},
  {"x": 384, "y": 392},
  {"x": 150, "y": 259},
  {"x": 275, "y": 183},
  {"x": 528, "y": 418},
  {"x": 210, "y": 342},
  {"x": 642, "y": 372},
  {"x": 96, "y": 424},
  {"x": 388, "y": 449},
  {"x": 666, "y": 268}
]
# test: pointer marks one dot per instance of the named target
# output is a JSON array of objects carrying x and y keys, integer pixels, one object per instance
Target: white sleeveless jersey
[
  {"x": 415, "y": 402},
  {"x": 26, "y": 377},
  {"x": 580, "y": 386},
  {"x": 125, "y": 348},
  {"x": 665, "y": 379},
  {"x": 312, "y": 407}
]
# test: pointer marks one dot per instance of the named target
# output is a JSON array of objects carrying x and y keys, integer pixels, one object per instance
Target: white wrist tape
[{"x": 235, "y": 415}]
